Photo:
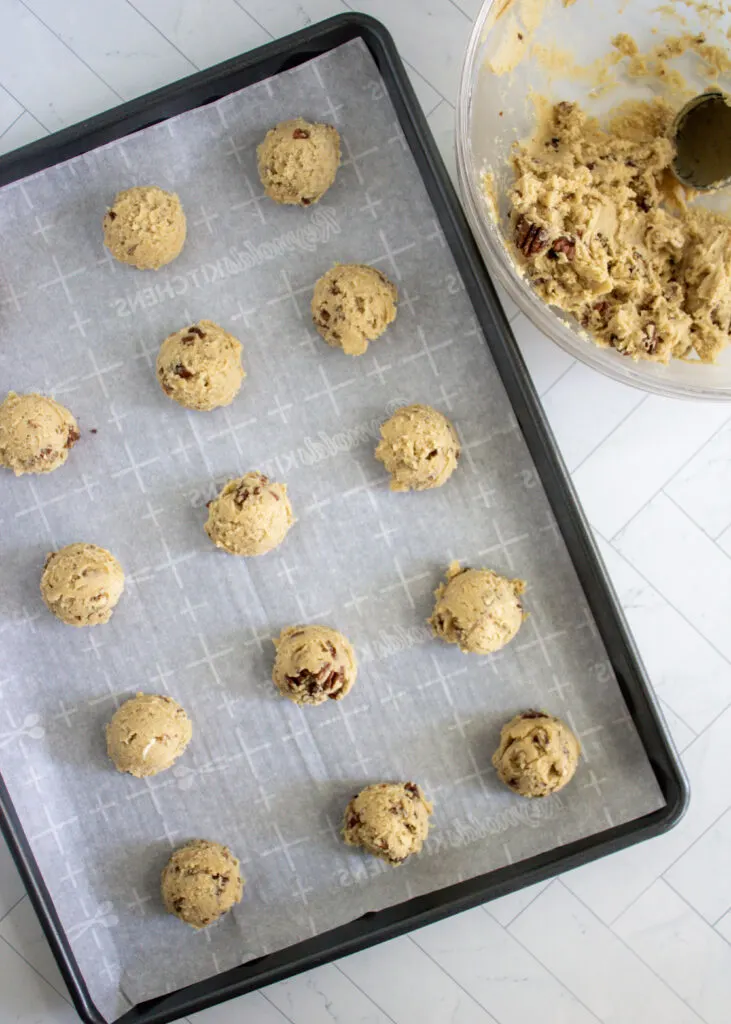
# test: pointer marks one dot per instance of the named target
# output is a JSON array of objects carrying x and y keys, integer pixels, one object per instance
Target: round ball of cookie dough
[
  {"x": 298, "y": 161},
  {"x": 389, "y": 819},
  {"x": 313, "y": 664},
  {"x": 419, "y": 448},
  {"x": 200, "y": 367},
  {"x": 201, "y": 882},
  {"x": 145, "y": 227},
  {"x": 36, "y": 434},
  {"x": 538, "y": 754},
  {"x": 353, "y": 304},
  {"x": 477, "y": 609},
  {"x": 81, "y": 584},
  {"x": 250, "y": 516},
  {"x": 147, "y": 734}
]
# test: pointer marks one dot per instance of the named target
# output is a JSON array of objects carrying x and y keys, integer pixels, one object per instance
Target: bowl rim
[{"x": 644, "y": 376}]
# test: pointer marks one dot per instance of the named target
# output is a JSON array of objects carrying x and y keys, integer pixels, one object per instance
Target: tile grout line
[
  {"x": 35, "y": 118},
  {"x": 336, "y": 965},
  {"x": 629, "y": 949},
  {"x": 251, "y": 17},
  {"x": 675, "y": 609},
  {"x": 485, "y": 906},
  {"x": 703, "y": 530},
  {"x": 558, "y": 379},
  {"x": 545, "y": 966},
  {"x": 459, "y": 985},
  {"x": 661, "y": 489},
  {"x": 461, "y": 11},
  {"x": 11, "y": 909},
  {"x": 680, "y": 718},
  {"x": 13, "y": 122},
  {"x": 162, "y": 34},
  {"x": 690, "y": 906},
  {"x": 274, "y": 1005},
  {"x": 66, "y": 45},
  {"x": 35, "y": 970},
  {"x": 612, "y": 431}
]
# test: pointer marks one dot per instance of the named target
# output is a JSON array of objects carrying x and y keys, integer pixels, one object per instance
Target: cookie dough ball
[
  {"x": 313, "y": 664},
  {"x": 477, "y": 609},
  {"x": 298, "y": 161},
  {"x": 147, "y": 734},
  {"x": 81, "y": 584},
  {"x": 145, "y": 227},
  {"x": 538, "y": 754},
  {"x": 201, "y": 882},
  {"x": 36, "y": 434},
  {"x": 250, "y": 516},
  {"x": 200, "y": 366},
  {"x": 390, "y": 820},
  {"x": 353, "y": 304},
  {"x": 419, "y": 448}
]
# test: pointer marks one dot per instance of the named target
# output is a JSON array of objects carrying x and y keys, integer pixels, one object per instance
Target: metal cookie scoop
[{"x": 702, "y": 135}]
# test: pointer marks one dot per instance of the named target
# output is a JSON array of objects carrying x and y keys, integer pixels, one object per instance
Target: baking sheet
[{"x": 268, "y": 778}]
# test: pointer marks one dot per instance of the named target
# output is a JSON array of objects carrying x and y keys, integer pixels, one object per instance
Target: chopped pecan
[
  {"x": 432, "y": 454},
  {"x": 112, "y": 215},
  {"x": 305, "y": 201},
  {"x": 197, "y": 330},
  {"x": 182, "y": 371},
  {"x": 188, "y": 339},
  {"x": 650, "y": 338},
  {"x": 241, "y": 495},
  {"x": 73, "y": 437},
  {"x": 300, "y": 133},
  {"x": 412, "y": 789},
  {"x": 532, "y": 714},
  {"x": 529, "y": 238},
  {"x": 324, "y": 315},
  {"x": 562, "y": 245}
]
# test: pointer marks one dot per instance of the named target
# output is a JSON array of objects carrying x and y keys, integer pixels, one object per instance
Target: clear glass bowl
[{"x": 495, "y": 110}]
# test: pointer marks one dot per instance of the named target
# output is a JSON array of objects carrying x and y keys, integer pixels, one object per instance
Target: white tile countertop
[{"x": 642, "y": 936}]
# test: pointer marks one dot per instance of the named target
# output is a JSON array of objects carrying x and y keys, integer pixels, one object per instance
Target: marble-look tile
[
  {"x": 430, "y": 996},
  {"x": 281, "y": 18},
  {"x": 645, "y": 451},
  {"x": 253, "y": 1008},
  {"x": 324, "y": 994},
  {"x": 67, "y": 90},
  {"x": 141, "y": 58},
  {"x": 701, "y": 875},
  {"x": 594, "y": 964},
  {"x": 25, "y": 998},
  {"x": 506, "y": 908},
  {"x": 609, "y": 886},
  {"x": 690, "y": 957},
  {"x": 11, "y": 887},
  {"x": 26, "y": 129},
  {"x": 437, "y": 28},
  {"x": 701, "y": 591},
  {"x": 21, "y": 930},
  {"x": 702, "y": 487},
  {"x": 690, "y": 675},
  {"x": 723, "y": 927},
  {"x": 499, "y": 972},
  {"x": 546, "y": 361},
  {"x": 205, "y": 33},
  {"x": 584, "y": 408}
]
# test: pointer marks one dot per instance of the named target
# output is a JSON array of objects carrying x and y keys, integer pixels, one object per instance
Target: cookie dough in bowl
[
  {"x": 353, "y": 304},
  {"x": 419, "y": 447},
  {"x": 251, "y": 515},
  {"x": 298, "y": 161},
  {"x": 36, "y": 433},
  {"x": 147, "y": 734},
  {"x": 538, "y": 754},
  {"x": 145, "y": 227},
  {"x": 201, "y": 882},
  {"x": 199, "y": 367},
  {"x": 389, "y": 820},
  {"x": 81, "y": 584},
  {"x": 313, "y": 664},
  {"x": 477, "y": 609}
]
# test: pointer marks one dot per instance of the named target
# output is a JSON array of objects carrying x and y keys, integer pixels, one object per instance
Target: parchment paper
[{"x": 267, "y": 778}]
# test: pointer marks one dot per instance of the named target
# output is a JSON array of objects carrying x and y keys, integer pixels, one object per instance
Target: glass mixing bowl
[{"x": 552, "y": 43}]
